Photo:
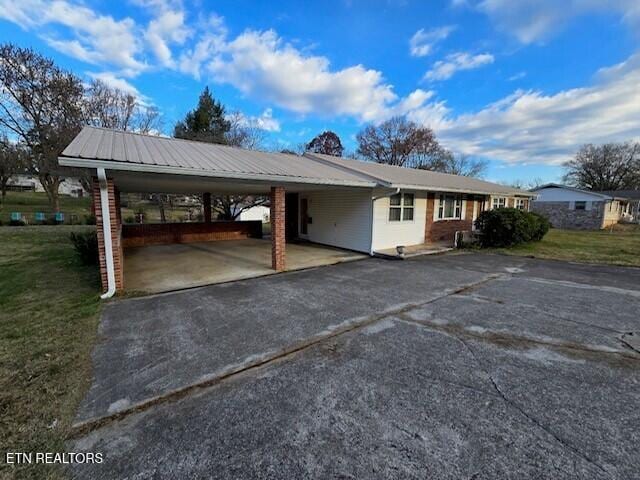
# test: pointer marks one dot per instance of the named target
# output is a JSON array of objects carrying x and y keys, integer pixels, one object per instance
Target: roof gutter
[
  {"x": 169, "y": 170},
  {"x": 106, "y": 233},
  {"x": 461, "y": 190}
]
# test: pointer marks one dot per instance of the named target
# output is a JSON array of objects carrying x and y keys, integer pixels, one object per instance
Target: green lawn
[
  {"x": 48, "y": 321},
  {"x": 28, "y": 203},
  {"x": 618, "y": 247}
]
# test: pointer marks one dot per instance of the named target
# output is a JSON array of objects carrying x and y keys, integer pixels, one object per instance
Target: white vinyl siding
[
  {"x": 390, "y": 234},
  {"x": 341, "y": 218}
]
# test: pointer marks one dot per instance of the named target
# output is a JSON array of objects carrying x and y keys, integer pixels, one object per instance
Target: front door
[{"x": 291, "y": 216}]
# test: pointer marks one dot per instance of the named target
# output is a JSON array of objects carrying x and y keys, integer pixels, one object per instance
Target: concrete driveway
[{"x": 456, "y": 366}]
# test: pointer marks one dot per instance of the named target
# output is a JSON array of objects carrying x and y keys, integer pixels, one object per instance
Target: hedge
[{"x": 504, "y": 227}]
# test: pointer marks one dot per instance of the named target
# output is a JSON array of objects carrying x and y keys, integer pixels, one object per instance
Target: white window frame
[
  {"x": 500, "y": 201},
  {"x": 402, "y": 207},
  {"x": 519, "y": 203},
  {"x": 457, "y": 207}
]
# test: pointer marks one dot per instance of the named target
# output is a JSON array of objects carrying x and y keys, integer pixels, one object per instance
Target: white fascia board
[
  {"x": 195, "y": 172},
  {"x": 461, "y": 190}
]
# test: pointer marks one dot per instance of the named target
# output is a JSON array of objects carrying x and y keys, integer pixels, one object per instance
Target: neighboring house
[
  {"x": 355, "y": 205},
  {"x": 632, "y": 211},
  {"x": 69, "y": 186},
  {"x": 572, "y": 208},
  {"x": 257, "y": 212}
]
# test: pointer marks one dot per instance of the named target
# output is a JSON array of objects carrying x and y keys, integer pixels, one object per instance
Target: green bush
[
  {"x": 16, "y": 223},
  {"x": 505, "y": 227},
  {"x": 86, "y": 246},
  {"x": 89, "y": 219}
]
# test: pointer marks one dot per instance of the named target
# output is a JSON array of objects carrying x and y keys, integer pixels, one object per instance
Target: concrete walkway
[
  {"x": 454, "y": 366},
  {"x": 162, "y": 268}
]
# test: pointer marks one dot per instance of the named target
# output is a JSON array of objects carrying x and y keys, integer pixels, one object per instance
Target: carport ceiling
[{"x": 138, "y": 182}]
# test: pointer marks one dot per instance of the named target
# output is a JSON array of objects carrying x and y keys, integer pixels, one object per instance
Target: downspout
[
  {"x": 106, "y": 233},
  {"x": 373, "y": 201}
]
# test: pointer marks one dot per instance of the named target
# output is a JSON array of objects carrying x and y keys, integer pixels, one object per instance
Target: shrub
[
  {"x": 86, "y": 246},
  {"x": 16, "y": 223},
  {"x": 505, "y": 227},
  {"x": 89, "y": 219}
]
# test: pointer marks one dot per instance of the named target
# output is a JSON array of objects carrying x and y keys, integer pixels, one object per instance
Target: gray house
[{"x": 572, "y": 208}]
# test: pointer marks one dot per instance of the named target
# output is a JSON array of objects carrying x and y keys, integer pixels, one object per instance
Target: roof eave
[
  {"x": 169, "y": 170},
  {"x": 458, "y": 190}
]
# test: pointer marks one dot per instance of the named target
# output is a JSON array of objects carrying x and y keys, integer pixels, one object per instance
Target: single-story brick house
[
  {"x": 572, "y": 208},
  {"x": 348, "y": 204}
]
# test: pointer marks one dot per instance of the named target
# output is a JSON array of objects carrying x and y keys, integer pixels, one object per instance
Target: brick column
[
  {"x": 206, "y": 207},
  {"x": 116, "y": 235},
  {"x": 431, "y": 199},
  {"x": 278, "y": 258}
]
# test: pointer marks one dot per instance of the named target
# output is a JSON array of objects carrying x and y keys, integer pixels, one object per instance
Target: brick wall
[
  {"x": 116, "y": 234},
  {"x": 278, "y": 258},
  {"x": 445, "y": 230},
  {"x": 138, "y": 235}
]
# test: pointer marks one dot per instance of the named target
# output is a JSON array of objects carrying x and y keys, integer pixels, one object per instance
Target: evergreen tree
[{"x": 207, "y": 123}]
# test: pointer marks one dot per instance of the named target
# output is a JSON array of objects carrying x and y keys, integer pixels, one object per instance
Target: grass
[
  {"x": 48, "y": 322},
  {"x": 620, "y": 246},
  {"x": 28, "y": 203}
]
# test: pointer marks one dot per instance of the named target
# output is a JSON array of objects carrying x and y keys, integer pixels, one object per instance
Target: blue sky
[{"x": 520, "y": 83}]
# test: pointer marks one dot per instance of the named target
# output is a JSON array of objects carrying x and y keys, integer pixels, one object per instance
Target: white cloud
[
  {"x": 517, "y": 76},
  {"x": 261, "y": 65},
  {"x": 94, "y": 38},
  {"x": 532, "y": 21},
  {"x": 531, "y": 127},
  {"x": 264, "y": 121},
  {"x": 421, "y": 43},
  {"x": 114, "y": 81},
  {"x": 443, "y": 70},
  {"x": 166, "y": 29}
]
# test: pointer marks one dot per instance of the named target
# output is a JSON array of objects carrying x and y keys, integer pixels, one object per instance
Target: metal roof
[
  {"x": 625, "y": 194},
  {"x": 603, "y": 195},
  {"x": 117, "y": 150},
  {"x": 412, "y": 178}
]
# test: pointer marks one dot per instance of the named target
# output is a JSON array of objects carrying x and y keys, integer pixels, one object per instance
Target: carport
[{"x": 169, "y": 256}]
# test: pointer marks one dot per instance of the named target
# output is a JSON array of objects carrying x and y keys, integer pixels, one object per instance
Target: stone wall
[{"x": 561, "y": 216}]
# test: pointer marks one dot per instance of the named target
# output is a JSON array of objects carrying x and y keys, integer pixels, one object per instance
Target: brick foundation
[
  {"x": 278, "y": 256},
  {"x": 116, "y": 234},
  {"x": 138, "y": 235}
]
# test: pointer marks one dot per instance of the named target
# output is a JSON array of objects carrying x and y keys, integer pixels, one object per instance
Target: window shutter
[
  {"x": 436, "y": 207},
  {"x": 463, "y": 212}
]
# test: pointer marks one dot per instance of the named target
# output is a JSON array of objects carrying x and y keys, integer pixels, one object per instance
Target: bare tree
[
  {"x": 42, "y": 106},
  {"x": 12, "y": 161},
  {"x": 229, "y": 207},
  {"x": 400, "y": 142},
  {"x": 244, "y": 132},
  {"x": 612, "y": 166},
  {"x": 327, "y": 143},
  {"x": 456, "y": 164}
]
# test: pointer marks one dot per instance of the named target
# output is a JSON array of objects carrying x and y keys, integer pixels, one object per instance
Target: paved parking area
[{"x": 456, "y": 366}]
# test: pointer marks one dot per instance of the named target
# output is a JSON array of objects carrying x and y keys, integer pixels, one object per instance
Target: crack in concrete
[
  {"x": 91, "y": 424},
  {"x": 504, "y": 339},
  {"x": 531, "y": 418}
]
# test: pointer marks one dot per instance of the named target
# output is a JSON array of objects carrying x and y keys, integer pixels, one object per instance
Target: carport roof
[
  {"x": 111, "y": 149},
  {"x": 122, "y": 151}
]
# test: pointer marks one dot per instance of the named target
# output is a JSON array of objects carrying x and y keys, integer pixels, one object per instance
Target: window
[
  {"x": 450, "y": 207},
  {"x": 580, "y": 205},
  {"x": 520, "y": 203},
  {"x": 498, "y": 202},
  {"x": 401, "y": 207}
]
